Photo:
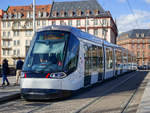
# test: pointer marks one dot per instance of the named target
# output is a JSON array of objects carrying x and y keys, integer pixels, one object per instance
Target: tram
[{"x": 62, "y": 59}]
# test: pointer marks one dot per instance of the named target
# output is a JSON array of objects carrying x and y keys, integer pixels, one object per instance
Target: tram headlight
[{"x": 58, "y": 75}]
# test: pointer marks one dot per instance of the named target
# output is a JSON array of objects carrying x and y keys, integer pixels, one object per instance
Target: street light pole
[{"x": 34, "y": 27}]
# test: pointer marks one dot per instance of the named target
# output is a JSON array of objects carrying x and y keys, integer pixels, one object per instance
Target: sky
[{"x": 129, "y": 14}]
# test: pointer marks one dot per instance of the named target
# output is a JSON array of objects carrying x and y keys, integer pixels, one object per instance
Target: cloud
[
  {"x": 140, "y": 20},
  {"x": 147, "y": 1}
]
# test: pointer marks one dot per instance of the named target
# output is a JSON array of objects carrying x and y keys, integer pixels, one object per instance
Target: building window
[
  {"x": 143, "y": 41},
  {"x": 15, "y": 43},
  {"x": 28, "y": 33},
  {"x": 9, "y": 15},
  {"x": 87, "y": 22},
  {"x": 8, "y": 24},
  {"x": 4, "y": 52},
  {"x": 143, "y": 46},
  {"x": 142, "y": 35},
  {"x": 28, "y": 14},
  {"x": 4, "y": 43},
  {"x": 19, "y": 15},
  {"x": 70, "y": 22},
  {"x": 138, "y": 41},
  {"x": 53, "y": 22},
  {"x": 149, "y": 46},
  {"x": 8, "y": 52},
  {"x": 138, "y": 54},
  {"x": 78, "y": 23},
  {"x": 18, "y": 42},
  {"x": 4, "y": 24},
  {"x": 95, "y": 21},
  {"x": 61, "y": 22},
  {"x": 5, "y": 16},
  {"x": 14, "y": 52},
  {"x": 44, "y": 23},
  {"x": 18, "y": 52},
  {"x": 15, "y": 15},
  {"x": 8, "y": 33},
  {"x": 104, "y": 22},
  {"x": 138, "y": 46},
  {"x": 96, "y": 32},
  {"x": 132, "y": 46},
  {"x": 4, "y": 34},
  {"x": 16, "y": 33},
  {"x": 137, "y": 35},
  {"x": 38, "y": 23},
  {"x": 143, "y": 55},
  {"x": 44, "y": 14}
]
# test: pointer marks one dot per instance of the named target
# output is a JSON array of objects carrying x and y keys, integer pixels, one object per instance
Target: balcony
[
  {"x": 6, "y": 47},
  {"x": 22, "y": 27},
  {"x": 6, "y": 38}
]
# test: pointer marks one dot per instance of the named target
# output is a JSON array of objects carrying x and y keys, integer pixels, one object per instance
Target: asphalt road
[{"x": 119, "y": 95}]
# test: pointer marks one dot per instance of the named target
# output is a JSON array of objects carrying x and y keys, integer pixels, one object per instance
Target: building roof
[
  {"x": 135, "y": 33},
  {"x": 24, "y": 9},
  {"x": 75, "y": 6}
]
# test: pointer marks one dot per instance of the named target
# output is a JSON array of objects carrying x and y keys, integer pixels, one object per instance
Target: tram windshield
[{"x": 48, "y": 51}]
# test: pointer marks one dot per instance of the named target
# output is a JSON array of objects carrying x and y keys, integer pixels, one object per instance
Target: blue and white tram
[{"x": 62, "y": 59}]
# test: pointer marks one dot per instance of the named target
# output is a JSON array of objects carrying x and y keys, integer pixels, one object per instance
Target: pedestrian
[
  {"x": 5, "y": 71},
  {"x": 18, "y": 69}
]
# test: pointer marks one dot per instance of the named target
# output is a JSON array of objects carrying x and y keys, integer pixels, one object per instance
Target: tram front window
[{"x": 48, "y": 52}]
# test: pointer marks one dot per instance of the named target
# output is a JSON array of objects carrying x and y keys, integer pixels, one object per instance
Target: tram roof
[{"x": 79, "y": 33}]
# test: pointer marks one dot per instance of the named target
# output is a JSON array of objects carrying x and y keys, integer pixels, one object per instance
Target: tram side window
[
  {"x": 118, "y": 58},
  {"x": 100, "y": 59},
  {"x": 94, "y": 58},
  {"x": 109, "y": 58},
  {"x": 72, "y": 54}
]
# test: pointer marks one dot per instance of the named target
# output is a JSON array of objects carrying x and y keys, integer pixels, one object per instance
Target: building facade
[
  {"x": 1, "y": 16},
  {"x": 88, "y": 16},
  {"x": 138, "y": 42},
  {"x": 17, "y": 30},
  {"x": 17, "y": 24}
]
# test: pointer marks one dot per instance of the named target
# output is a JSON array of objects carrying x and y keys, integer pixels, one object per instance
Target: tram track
[{"x": 125, "y": 104}]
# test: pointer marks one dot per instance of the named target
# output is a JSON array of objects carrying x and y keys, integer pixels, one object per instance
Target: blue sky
[{"x": 120, "y": 10}]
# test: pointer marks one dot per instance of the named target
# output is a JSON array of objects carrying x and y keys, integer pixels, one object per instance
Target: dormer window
[
  {"x": 142, "y": 35},
  {"x": 5, "y": 16},
  {"x": 44, "y": 14},
  {"x": 28, "y": 14},
  {"x": 19, "y": 15},
  {"x": 31, "y": 15},
  {"x": 54, "y": 13},
  {"x": 137, "y": 35},
  {"x": 88, "y": 12},
  {"x": 96, "y": 12},
  {"x": 79, "y": 12},
  {"x": 15, "y": 15},
  {"x": 62, "y": 13},
  {"x": 39, "y": 14},
  {"x": 9, "y": 15},
  {"x": 70, "y": 13}
]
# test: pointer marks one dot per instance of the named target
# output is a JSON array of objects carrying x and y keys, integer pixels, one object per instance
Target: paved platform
[
  {"x": 9, "y": 92},
  {"x": 144, "y": 106}
]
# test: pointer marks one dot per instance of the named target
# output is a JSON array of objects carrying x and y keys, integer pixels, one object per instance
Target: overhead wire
[{"x": 130, "y": 7}]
